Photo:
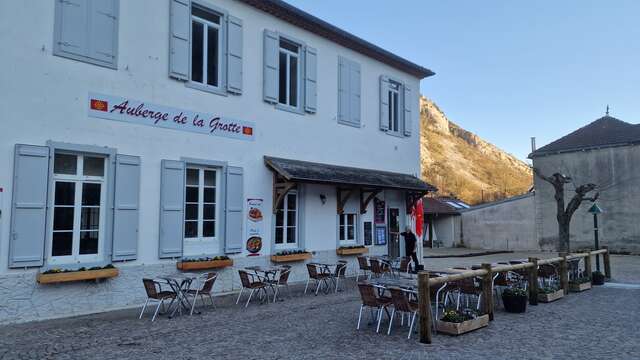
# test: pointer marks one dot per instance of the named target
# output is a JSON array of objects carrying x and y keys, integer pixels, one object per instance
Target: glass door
[{"x": 394, "y": 232}]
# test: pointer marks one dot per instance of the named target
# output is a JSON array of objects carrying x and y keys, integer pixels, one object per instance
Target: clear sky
[{"x": 509, "y": 70}]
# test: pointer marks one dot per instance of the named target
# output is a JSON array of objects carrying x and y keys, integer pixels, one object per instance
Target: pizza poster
[{"x": 255, "y": 225}]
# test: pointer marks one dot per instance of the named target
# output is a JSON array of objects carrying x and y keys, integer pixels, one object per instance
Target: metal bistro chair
[
  {"x": 281, "y": 281},
  {"x": 155, "y": 293},
  {"x": 207, "y": 281},
  {"x": 403, "y": 305},
  {"x": 467, "y": 288},
  {"x": 377, "y": 270},
  {"x": 548, "y": 275},
  {"x": 321, "y": 278},
  {"x": 251, "y": 284},
  {"x": 404, "y": 265},
  {"x": 339, "y": 273},
  {"x": 372, "y": 301},
  {"x": 364, "y": 268}
]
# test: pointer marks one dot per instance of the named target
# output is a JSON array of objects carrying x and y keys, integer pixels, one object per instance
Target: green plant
[
  {"x": 58, "y": 270},
  {"x": 458, "y": 316},
  {"x": 514, "y": 292},
  {"x": 547, "y": 290},
  {"x": 291, "y": 252},
  {"x": 581, "y": 280},
  {"x": 352, "y": 247},
  {"x": 220, "y": 257}
]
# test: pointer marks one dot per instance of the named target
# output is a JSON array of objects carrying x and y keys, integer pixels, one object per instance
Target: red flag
[{"x": 419, "y": 216}]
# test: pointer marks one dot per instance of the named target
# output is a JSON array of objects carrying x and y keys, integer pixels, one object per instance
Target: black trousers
[{"x": 414, "y": 257}]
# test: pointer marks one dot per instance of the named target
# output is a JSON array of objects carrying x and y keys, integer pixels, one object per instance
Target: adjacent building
[{"x": 141, "y": 133}]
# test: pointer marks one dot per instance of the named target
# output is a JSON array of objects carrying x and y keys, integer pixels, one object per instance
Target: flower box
[
  {"x": 76, "y": 276},
  {"x": 290, "y": 257},
  {"x": 203, "y": 265},
  {"x": 452, "y": 328},
  {"x": 578, "y": 287},
  {"x": 547, "y": 298},
  {"x": 352, "y": 251}
]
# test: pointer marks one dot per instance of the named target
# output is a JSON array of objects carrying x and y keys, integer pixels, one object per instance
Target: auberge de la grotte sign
[{"x": 144, "y": 113}]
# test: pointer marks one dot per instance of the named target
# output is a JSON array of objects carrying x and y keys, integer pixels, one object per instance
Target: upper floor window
[
  {"x": 206, "y": 34},
  {"x": 87, "y": 30},
  {"x": 396, "y": 102},
  {"x": 393, "y": 95},
  {"x": 289, "y": 73}
]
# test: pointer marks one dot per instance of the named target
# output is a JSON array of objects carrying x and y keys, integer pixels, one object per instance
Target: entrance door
[{"x": 394, "y": 232}]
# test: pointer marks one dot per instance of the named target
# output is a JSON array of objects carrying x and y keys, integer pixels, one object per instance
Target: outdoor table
[
  {"x": 325, "y": 268},
  {"x": 268, "y": 276},
  {"x": 180, "y": 284}
]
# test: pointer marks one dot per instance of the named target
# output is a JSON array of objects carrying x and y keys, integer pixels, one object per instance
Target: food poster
[{"x": 255, "y": 224}]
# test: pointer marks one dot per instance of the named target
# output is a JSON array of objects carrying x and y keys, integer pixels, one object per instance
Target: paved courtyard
[{"x": 599, "y": 324}]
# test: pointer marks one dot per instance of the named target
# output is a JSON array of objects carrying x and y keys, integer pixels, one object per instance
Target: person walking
[{"x": 410, "y": 246}]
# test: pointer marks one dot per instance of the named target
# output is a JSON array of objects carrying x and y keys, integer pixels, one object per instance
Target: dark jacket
[{"x": 409, "y": 242}]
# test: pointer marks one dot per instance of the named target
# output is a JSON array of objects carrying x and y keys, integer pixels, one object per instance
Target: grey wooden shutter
[
  {"x": 171, "y": 208},
  {"x": 179, "y": 37},
  {"x": 29, "y": 206},
  {"x": 103, "y": 31},
  {"x": 71, "y": 27},
  {"x": 126, "y": 208},
  {"x": 384, "y": 103},
  {"x": 234, "y": 55},
  {"x": 343, "y": 90},
  {"x": 233, "y": 238},
  {"x": 310, "y": 80},
  {"x": 270, "y": 67},
  {"x": 354, "y": 93},
  {"x": 407, "y": 101}
]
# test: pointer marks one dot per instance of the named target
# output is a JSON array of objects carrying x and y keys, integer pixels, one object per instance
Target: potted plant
[
  {"x": 57, "y": 275},
  {"x": 548, "y": 294},
  {"x": 290, "y": 255},
  {"x": 352, "y": 250},
  {"x": 454, "y": 322},
  {"x": 597, "y": 278},
  {"x": 514, "y": 299},
  {"x": 580, "y": 284},
  {"x": 188, "y": 264}
]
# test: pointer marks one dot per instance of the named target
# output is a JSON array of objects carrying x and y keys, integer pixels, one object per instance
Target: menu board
[
  {"x": 381, "y": 235},
  {"x": 379, "y": 211},
  {"x": 368, "y": 233}
]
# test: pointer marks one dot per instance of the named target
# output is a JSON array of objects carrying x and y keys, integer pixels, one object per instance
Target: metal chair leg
[
  {"x": 307, "y": 285},
  {"x": 379, "y": 320},
  {"x": 413, "y": 320},
  {"x": 239, "y": 295},
  {"x": 249, "y": 299},
  {"x": 275, "y": 294},
  {"x": 193, "y": 305},
  {"x": 359, "y": 317},
  {"x": 143, "y": 307},
  {"x": 393, "y": 313},
  {"x": 157, "y": 308}
]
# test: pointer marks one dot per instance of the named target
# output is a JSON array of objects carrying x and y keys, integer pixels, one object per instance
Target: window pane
[
  {"x": 193, "y": 177},
  {"x": 342, "y": 220},
  {"x": 279, "y": 234},
  {"x": 291, "y": 218},
  {"x": 351, "y": 233},
  {"x": 191, "y": 212},
  {"x": 209, "y": 195},
  {"x": 190, "y": 229},
  {"x": 61, "y": 244},
  {"x": 90, "y": 194},
  {"x": 209, "y": 178},
  {"x": 212, "y": 56},
  {"x": 65, "y": 193},
  {"x": 291, "y": 201},
  {"x": 209, "y": 229},
  {"x": 395, "y": 112},
  {"x": 93, "y": 166},
  {"x": 282, "y": 80},
  {"x": 279, "y": 218},
  {"x": 288, "y": 45},
  {"x": 351, "y": 219},
  {"x": 205, "y": 14},
  {"x": 88, "y": 242},
  {"x": 341, "y": 231},
  {"x": 192, "y": 194},
  {"x": 197, "y": 43},
  {"x": 293, "y": 81},
  {"x": 390, "y": 110},
  {"x": 291, "y": 235},
  {"x": 90, "y": 218},
  {"x": 209, "y": 212},
  {"x": 65, "y": 164},
  {"x": 63, "y": 218}
]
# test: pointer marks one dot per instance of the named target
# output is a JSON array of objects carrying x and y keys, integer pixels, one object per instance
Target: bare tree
[{"x": 564, "y": 214}]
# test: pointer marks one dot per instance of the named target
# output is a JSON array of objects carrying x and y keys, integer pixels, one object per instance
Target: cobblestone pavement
[{"x": 597, "y": 324}]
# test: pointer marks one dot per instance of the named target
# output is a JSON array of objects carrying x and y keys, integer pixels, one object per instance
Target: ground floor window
[
  {"x": 79, "y": 191},
  {"x": 347, "y": 229},
  {"x": 286, "y": 229},
  {"x": 201, "y": 211}
]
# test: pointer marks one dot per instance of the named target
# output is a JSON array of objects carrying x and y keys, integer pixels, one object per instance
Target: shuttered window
[
  {"x": 348, "y": 92},
  {"x": 87, "y": 30},
  {"x": 395, "y": 107}
]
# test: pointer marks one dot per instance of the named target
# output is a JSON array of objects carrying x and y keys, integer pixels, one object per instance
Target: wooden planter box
[
  {"x": 76, "y": 276},
  {"x": 579, "y": 287},
  {"x": 203, "y": 265},
  {"x": 352, "y": 251},
  {"x": 463, "y": 327},
  {"x": 289, "y": 258},
  {"x": 547, "y": 298}
]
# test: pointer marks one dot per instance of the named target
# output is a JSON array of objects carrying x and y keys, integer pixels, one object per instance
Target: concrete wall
[
  {"x": 448, "y": 229},
  {"x": 503, "y": 225},
  {"x": 617, "y": 173}
]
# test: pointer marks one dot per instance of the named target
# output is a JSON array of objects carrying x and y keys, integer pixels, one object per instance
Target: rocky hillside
[{"x": 461, "y": 164}]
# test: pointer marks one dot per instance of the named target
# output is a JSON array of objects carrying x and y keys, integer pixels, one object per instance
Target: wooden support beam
[
  {"x": 533, "y": 281},
  {"x": 424, "y": 307},
  {"x": 487, "y": 291},
  {"x": 280, "y": 188},
  {"x": 564, "y": 274},
  {"x": 342, "y": 200},
  {"x": 364, "y": 201},
  {"x": 607, "y": 263}
]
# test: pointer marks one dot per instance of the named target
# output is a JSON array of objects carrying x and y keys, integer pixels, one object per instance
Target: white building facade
[{"x": 140, "y": 133}]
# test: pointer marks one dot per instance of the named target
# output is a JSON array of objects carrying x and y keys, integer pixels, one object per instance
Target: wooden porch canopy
[{"x": 288, "y": 173}]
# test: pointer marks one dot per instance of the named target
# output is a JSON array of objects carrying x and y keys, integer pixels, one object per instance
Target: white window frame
[
  {"x": 343, "y": 231},
  {"x": 285, "y": 208},
  {"x": 396, "y": 116},
  {"x": 289, "y": 54},
  {"x": 206, "y": 23},
  {"x": 78, "y": 179},
  {"x": 201, "y": 245}
]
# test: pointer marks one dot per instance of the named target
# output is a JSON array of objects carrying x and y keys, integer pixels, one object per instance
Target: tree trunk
[{"x": 563, "y": 235}]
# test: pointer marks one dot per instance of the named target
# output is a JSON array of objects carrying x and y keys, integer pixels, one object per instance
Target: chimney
[{"x": 533, "y": 144}]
